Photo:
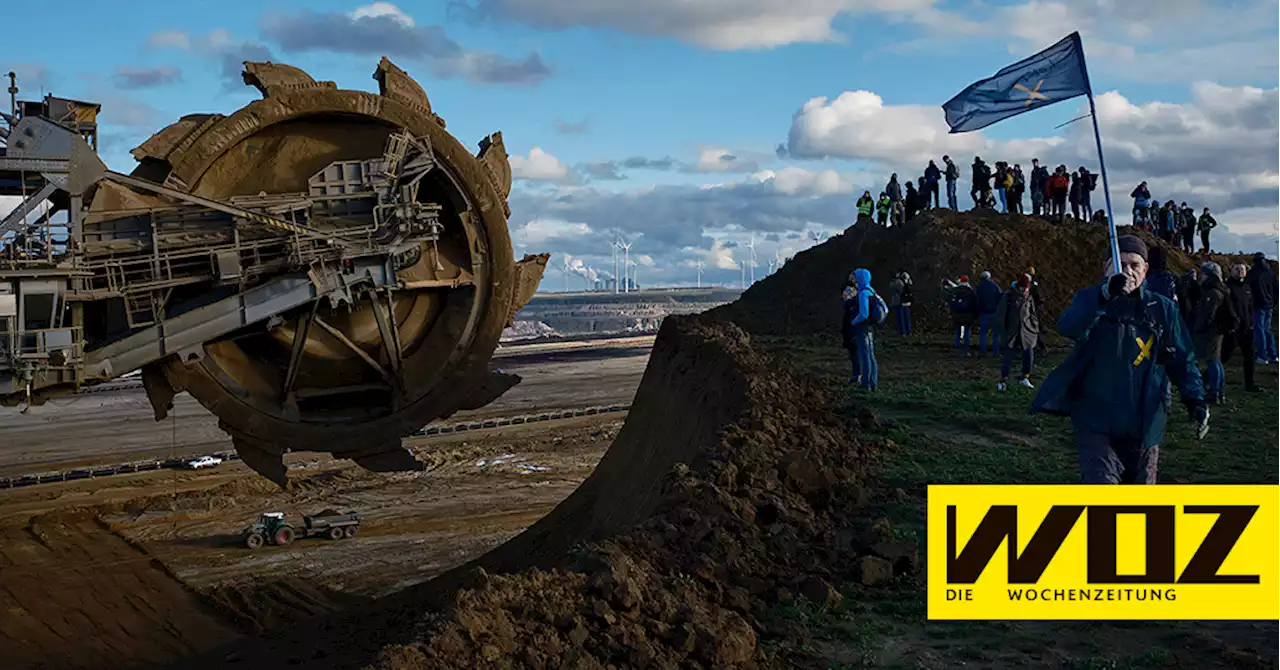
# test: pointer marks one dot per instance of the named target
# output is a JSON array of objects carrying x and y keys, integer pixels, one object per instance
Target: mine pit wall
[
  {"x": 588, "y": 313},
  {"x": 704, "y": 377}
]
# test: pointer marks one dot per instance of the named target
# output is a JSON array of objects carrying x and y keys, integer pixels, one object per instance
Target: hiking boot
[
  {"x": 1259, "y": 361},
  {"x": 1001, "y": 386},
  {"x": 1027, "y": 383}
]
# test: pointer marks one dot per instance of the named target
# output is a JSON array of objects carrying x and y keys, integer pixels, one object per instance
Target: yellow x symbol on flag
[
  {"x": 1144, "y": 349},
  {"x": 1032, "y": 94}
]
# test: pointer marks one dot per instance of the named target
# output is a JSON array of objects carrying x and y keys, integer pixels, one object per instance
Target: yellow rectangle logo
[{"x": 1104, "y": 552}]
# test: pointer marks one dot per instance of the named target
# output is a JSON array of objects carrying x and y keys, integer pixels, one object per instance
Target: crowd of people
[
  {"x": 1138, "y": 335},
  {"x": 1053, "y": 195}
]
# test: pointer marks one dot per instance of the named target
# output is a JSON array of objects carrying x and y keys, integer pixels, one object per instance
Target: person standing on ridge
[
  {"x": 1153, "y": 217},
  {"x": 980, "y": 190},
  {"x": 1018, "y": 329},
  {"x": 848, "y": 336},
  {"x": 1002, "y": 186},
  {"x": 952, "y": 174},
  {"x": 1075, "y": 196},
  {"x": 1213, "y": 319},
  {"x": 932, "y": 176},
  {"x": 1262, "y": 283},
  {"x": 882, "y": 209},
  {"x": 1113, "y": 385},
  {"x": 863, "y": 327},
  {"x": 964, "y": 310},
  {"x": 1058, "y": 188},
  {"x": 1241, "y": 335},
  {"x": 1187, "y": 229},
  {"x": 988, "y": 300},
  {"x": 1039, "y": 187},
  {"x": 1204, "y": 225},
  {"x": 1015, "y": 192},
  {"x": 1088, "y": 183},
  {"x": 865, "y": 207},
  {"x": 911, "y": 201},
  {"x": 894, "y": 189},
  {"x": 1141, "y": 201}
]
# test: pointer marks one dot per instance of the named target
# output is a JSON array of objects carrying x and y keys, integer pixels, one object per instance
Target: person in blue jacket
[
  {"x": 1130, "y": 342},
  {"x": 862, "y": 331}
]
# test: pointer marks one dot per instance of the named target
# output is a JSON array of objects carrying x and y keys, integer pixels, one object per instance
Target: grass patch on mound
[{"x": 944, "y": 422}]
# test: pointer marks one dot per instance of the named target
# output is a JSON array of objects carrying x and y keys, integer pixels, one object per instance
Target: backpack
[
  {"x": 962, "y": 301},
  {"x": 907, "y": 296},
  {"x": 879, "y": 310}
]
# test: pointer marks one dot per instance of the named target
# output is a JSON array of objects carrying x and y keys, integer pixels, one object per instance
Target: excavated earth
[{"x": 804, "y": 296}]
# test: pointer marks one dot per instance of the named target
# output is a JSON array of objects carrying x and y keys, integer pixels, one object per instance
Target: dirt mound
[
  {"x": 729, "y": 489},
  {"x": 803, "y": 297},
  {"x": 263, "y": 605}
]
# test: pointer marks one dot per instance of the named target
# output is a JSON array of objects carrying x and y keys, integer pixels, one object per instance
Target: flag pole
[{"x": 1102, "y": 163}]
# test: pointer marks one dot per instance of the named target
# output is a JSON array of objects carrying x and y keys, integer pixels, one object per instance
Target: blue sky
[{"x": 590, "y": 85}]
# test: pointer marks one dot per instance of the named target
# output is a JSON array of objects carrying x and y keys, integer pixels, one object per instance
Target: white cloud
[
  {"x": 718, "y": 24},
  {"x": 722, "y": 160},
  {"x": 540, "y": 231},
  {"x": 801, "y": 182},
  {"x": 383, "y": 9},
  {"x": 540, "y": 166},
  {"x": 645, "y": 259},
  {"x": 172, "y": 39}
]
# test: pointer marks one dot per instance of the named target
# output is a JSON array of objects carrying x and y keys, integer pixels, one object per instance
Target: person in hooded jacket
[
  {"x": 1262, "y": 284},
  {"x": 1241, "y": 335},
  {"x": 1169, "y": 233},
  {"x": 1002, "y": 182},
  {"x": 848, "y": 334},
  {"x": 1213, "y": 319},
  {"x": 882, "y": 209},
  {"x": 893, "y": 188},
  {"x": 1039, "y": 187},
  {"x": 911, "y": 202},
  {"x": 1018, "y": 329},
  {"x": 1129, "y": 343},
  {"x": 988, "y": 300},
  {"x": 862, "y": 330},
  {"x": 932, "y": 176},
  {"x": 1159, "y": 279},
  {"x": 1153, "y": 217},
  {"x": 980, "y": 190},
  {"x": 1057, "y": 190},
  {"x": 1141, "y": 202},
  {"x": 952, "y": 173},
  {"x": 964, "y": 310}
]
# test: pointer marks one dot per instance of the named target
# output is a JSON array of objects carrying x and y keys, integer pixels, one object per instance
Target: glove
[
  {"x": 1115, "y": 287},
  {"x": 1198, "y": 412}
]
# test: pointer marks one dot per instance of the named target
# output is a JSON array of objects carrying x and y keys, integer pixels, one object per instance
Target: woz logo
[{"x": 1098, "y": 552}]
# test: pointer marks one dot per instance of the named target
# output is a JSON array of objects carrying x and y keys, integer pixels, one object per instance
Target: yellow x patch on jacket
[{"x": 1144, "y": 349}]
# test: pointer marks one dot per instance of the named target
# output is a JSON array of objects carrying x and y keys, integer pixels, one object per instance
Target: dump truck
[{"x": 271, "y": 527}]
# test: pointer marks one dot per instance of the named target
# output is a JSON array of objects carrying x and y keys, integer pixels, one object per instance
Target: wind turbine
[
  {"x": 752, "y": 247},
  {"x": 614, "y": 246},
  {"x": 699, "y": 273},
  {"x": 817, "y": 235}
]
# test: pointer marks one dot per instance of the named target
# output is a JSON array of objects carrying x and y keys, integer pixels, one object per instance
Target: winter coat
[
  {"x": 1039, "y": 180},
  {"x": 1088, "y": 181},
  {"x": 981, "y": 175},
  {"x": 1188, "y": 296},
  {"x": 1141, "y": 197},
  {"x": 1002, "y": 178},
  {"x": 932, "y": 174},
  {"x": 988, "y": 296},
  {"x": 965, "y": 291},
  {"x": 1059, "y": 185},
  {"x": 865, "y": 205},
  {"x": 1165, "y": 283},
  {"x": 862, "y": 300},
  {"x": 952, "y": 172},
  {"x": 896, "y": 287},
  {"x": 1115, "y": 380},
  {"x": 1213, "y": 317},
  {"x": 1188, "y": 223},
  {"x": 894, "y": 190},
  {"x": 1016, "y": 320},
  {"x": 1019, "y": 184},
  {"x": 1206, "y": 223},
  {"x": 1241, "y": 298},
  {"x": 1076, "y": 192},
  {"x": 912, "y": 201},
  {"x": 882, "y": 207},
  {"x": 1262, "y": 282}
]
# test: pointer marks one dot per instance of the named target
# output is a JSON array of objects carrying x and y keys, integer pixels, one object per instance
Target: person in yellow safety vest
[
  {"x": 882, "y": 209},
  {"x": 865, "y": 205}
]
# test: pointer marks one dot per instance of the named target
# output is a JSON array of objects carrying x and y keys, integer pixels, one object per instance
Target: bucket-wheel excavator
[{"x": 323, "y": 269}]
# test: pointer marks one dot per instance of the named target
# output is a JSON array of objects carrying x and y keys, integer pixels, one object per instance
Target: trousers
[{"x": 1106, "y": 459}]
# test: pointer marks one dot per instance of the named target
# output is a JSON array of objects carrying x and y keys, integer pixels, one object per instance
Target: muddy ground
[
  {"x": 119, "y": 426},
  {"x": 143, "y": 569}
]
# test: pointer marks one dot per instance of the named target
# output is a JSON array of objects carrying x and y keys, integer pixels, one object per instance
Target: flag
[{"x": 1053, "y": 75}]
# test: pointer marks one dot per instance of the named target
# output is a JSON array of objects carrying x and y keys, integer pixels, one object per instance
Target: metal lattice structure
[{"x": 324, "y": 269}]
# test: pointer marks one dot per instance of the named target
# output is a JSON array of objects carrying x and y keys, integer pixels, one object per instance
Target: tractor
[{"x": 272, "y": 527}]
